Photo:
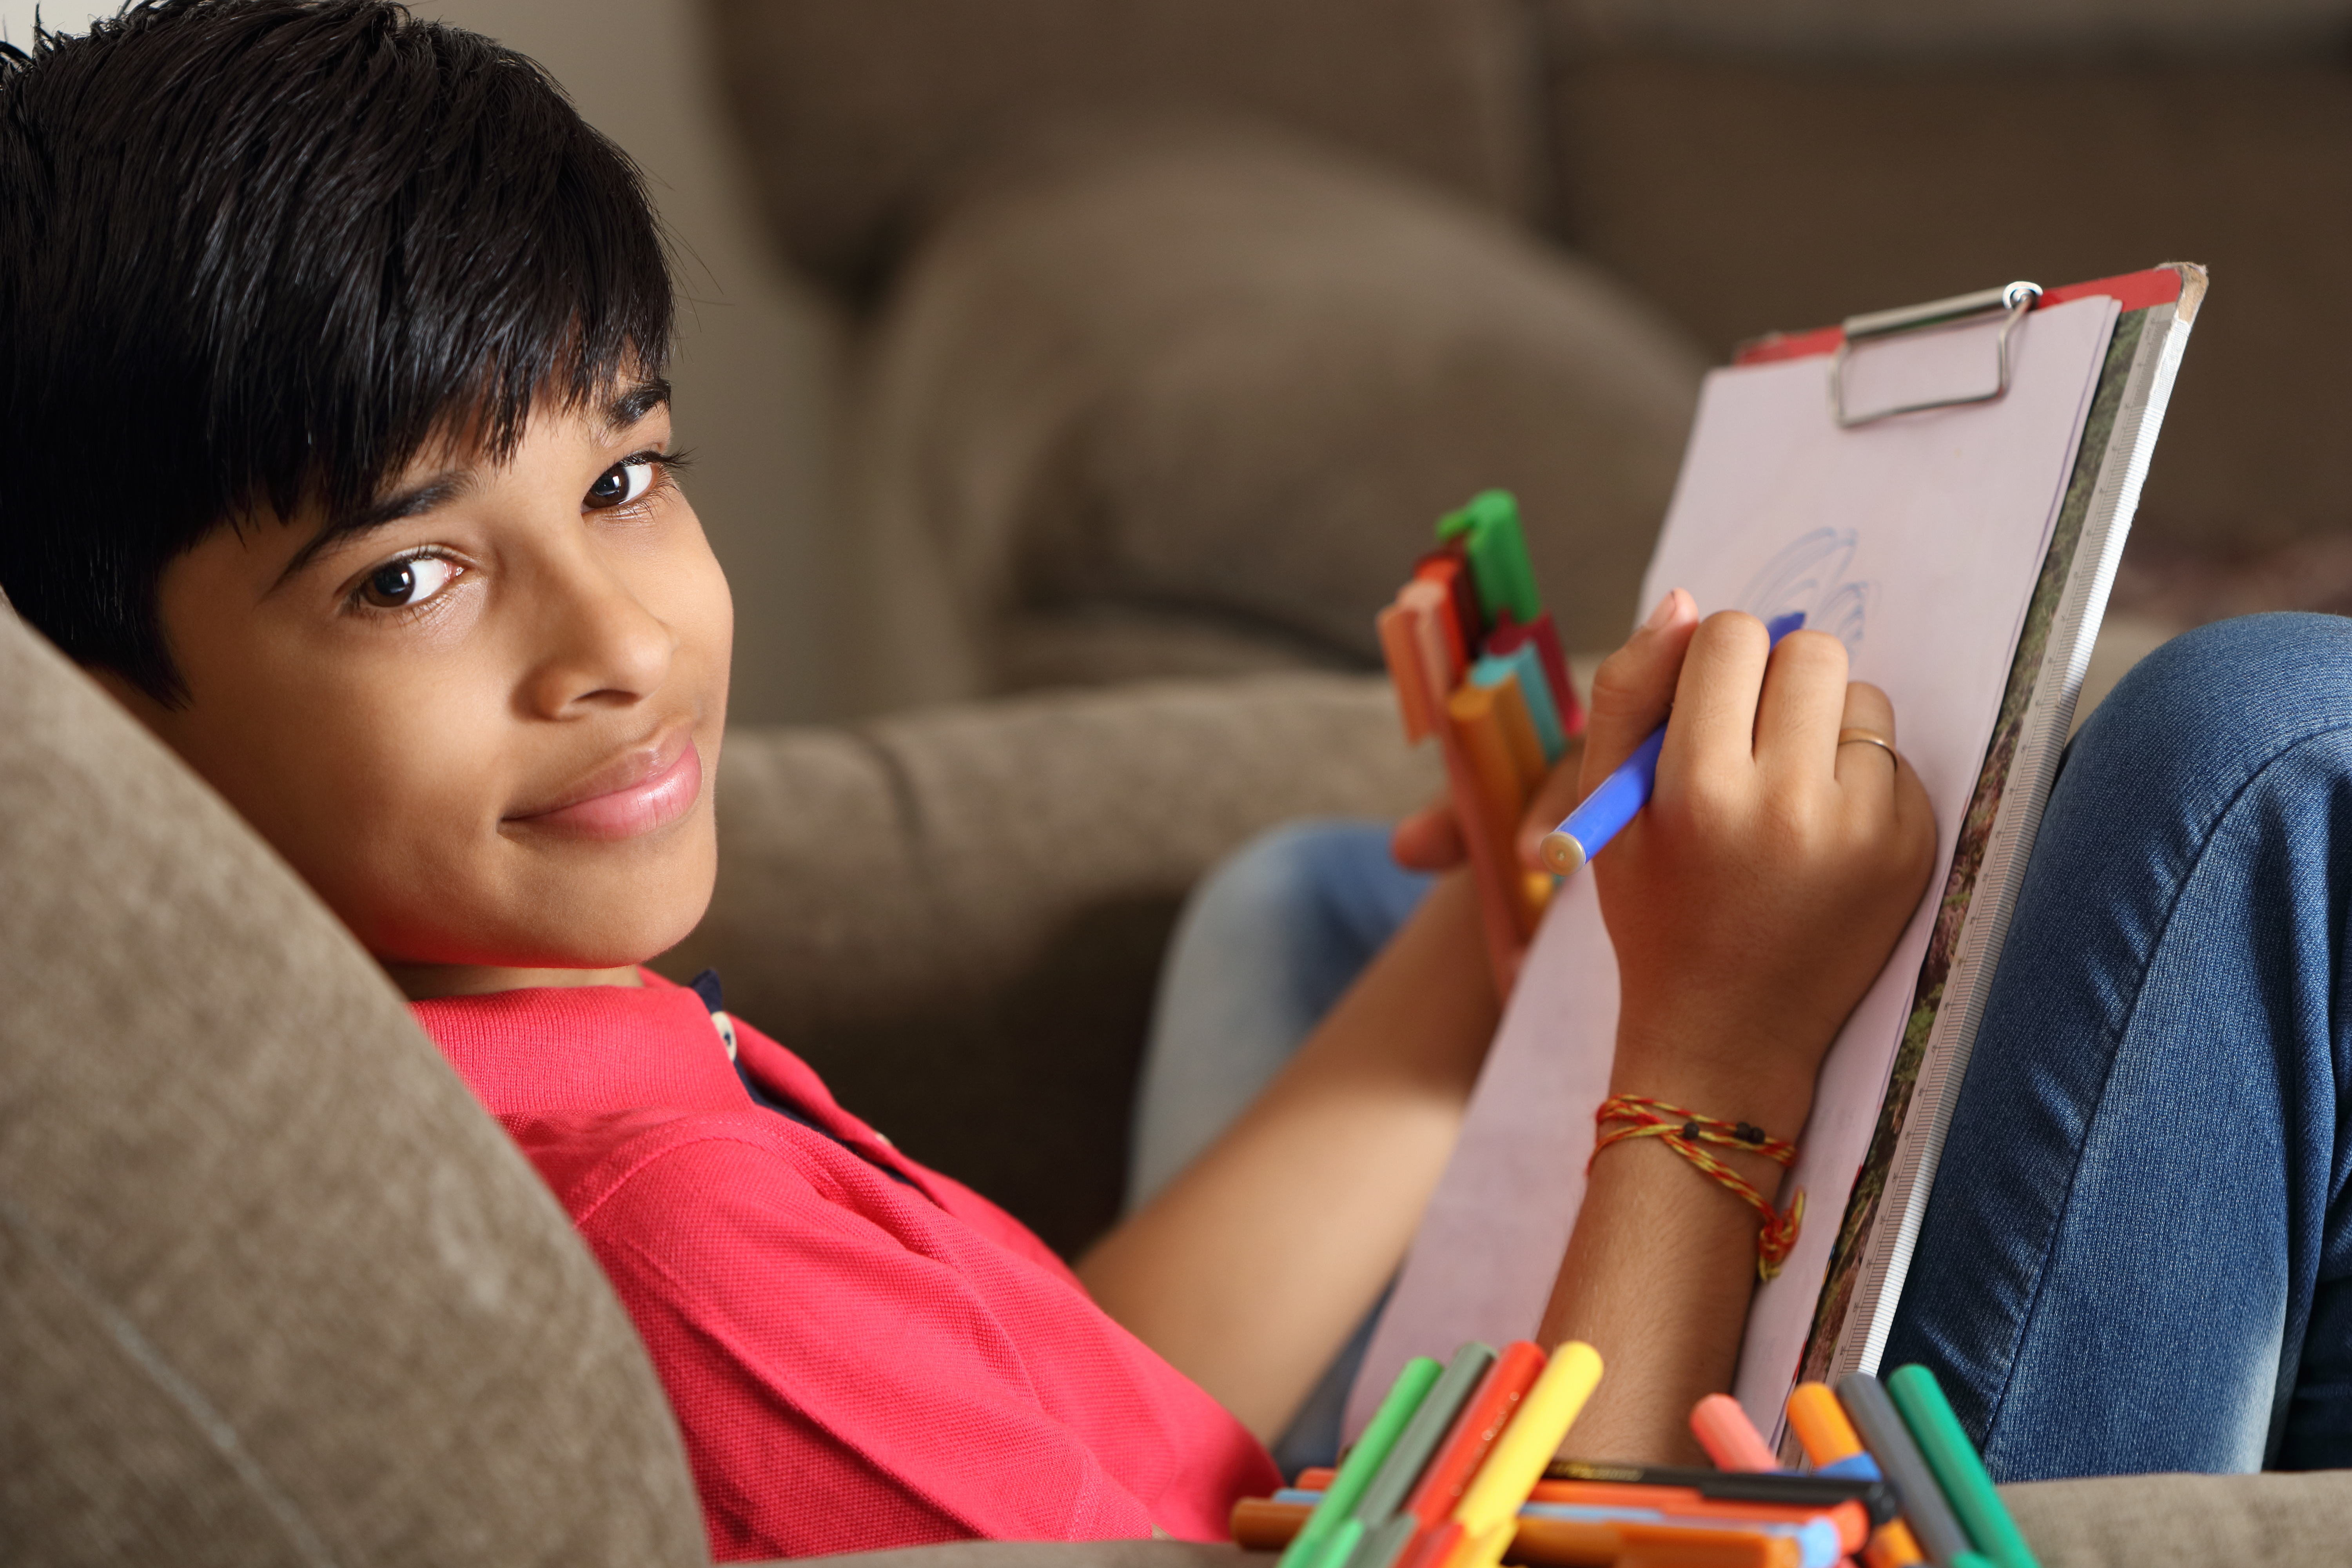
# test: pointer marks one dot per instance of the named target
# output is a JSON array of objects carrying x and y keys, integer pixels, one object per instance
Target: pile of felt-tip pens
[
  {"x": 1457, "y": 1469},
  {"x": 1476, "y": 665}
]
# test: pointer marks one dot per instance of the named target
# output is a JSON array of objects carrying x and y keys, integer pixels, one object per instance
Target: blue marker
[{"x": 1605, "y": 811}]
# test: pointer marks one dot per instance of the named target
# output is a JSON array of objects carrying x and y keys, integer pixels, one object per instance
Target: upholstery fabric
[
  {"x": 273, "y": 1289},
  {"x": 2186, "y": 1521},
  {"x": 853, "y": 112},
  {"x": 1201, "y": 367},
  {"x": 955, "y": 917}
]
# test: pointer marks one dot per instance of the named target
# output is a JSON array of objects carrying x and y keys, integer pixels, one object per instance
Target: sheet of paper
[{"x": 1918, "y": 542}]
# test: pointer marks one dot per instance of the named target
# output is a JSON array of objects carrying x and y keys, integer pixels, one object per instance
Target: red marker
[{"x": 1488, "y": 1412}]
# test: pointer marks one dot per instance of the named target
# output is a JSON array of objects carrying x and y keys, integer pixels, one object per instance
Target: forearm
[
  {"x": 1249, "y": 1270},
  {"x": 1657, "y": 1277}
]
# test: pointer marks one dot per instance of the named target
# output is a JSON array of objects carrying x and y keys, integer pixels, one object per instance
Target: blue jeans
[{"x": 2137, "y": 1255}]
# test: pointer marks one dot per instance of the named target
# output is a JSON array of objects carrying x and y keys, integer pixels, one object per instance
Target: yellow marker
[{"x": 1488, "y": 1513}]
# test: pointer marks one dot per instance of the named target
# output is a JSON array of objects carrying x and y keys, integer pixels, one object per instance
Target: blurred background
[{"x": 1038, "y": 341}]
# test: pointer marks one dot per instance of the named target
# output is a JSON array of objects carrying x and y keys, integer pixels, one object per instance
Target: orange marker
[
  {"x": 1520, "y": 733},
  {"x": 1489, "y": 1411},
  {"x": 1402, "y": 651},
  {"x": 1831, "y": 1444},
  {"x": 1474, "y": 715},
  {"x": 1261, "y": 1524},
  {"x": 1563, "y": 1543},
  {"x": 1850, "y": 1520},
  {"x": 1493, "y": 869}
]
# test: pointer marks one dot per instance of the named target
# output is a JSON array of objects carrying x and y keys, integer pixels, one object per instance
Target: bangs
[{"x": 270, "y": 251}]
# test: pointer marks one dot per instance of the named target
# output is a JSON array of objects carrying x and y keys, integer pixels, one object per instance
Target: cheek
[
  {"x": 386, "y": 795},
  {"x": 685, "y": 587}
]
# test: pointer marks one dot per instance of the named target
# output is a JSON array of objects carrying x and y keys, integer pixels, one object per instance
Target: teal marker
[
  {"x": 1337, "y": 1509},
  {"x": 1525, "y": 663},
  {"x": 1966, "y": 1486}
]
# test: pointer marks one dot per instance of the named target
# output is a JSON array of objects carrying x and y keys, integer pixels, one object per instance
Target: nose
[{"x": 599, "y": 645}]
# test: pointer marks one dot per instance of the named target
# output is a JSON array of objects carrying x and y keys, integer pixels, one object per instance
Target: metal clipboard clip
[{"x": 2015, "y": 298}]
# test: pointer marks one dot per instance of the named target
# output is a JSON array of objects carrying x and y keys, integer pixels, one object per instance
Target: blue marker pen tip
[{"x": 1606, "y": 811}]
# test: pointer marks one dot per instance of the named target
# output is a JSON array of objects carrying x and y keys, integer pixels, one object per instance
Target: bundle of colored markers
[
  {"x": 1476, "y": 663},
  {"x": 1456, "y": 1470}
]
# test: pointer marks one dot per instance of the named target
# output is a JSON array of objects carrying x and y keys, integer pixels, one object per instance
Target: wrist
[{"x": 1717, "y": 1072}]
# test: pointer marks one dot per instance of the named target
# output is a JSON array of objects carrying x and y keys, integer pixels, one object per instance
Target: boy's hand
[{"x": 1757, "y": 896}]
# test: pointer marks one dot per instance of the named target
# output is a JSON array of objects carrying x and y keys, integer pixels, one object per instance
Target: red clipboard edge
[{"x": 2133, "y": 290}]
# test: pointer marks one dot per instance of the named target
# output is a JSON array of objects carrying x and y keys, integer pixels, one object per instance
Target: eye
[
  {"x": 621, "y": 484},
  {"x": 406, "y": 583}
]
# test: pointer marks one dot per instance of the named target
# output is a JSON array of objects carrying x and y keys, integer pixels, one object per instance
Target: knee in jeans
[{"x": 2254, "y": 681}]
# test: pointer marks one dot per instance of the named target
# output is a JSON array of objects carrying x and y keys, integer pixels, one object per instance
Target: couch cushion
[
  {"x": 1204, "y": 369},
  {"x": 2186, "y": 1521},
  {"x": 272, "y": 1288},
  {"x": 853, "y": 109}
]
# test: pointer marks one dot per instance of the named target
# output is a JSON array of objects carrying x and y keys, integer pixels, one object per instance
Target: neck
[{"x": 419, "y": 982}]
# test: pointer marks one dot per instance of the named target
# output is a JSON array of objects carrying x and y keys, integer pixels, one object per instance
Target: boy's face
[{"x": 483, "y": 729}]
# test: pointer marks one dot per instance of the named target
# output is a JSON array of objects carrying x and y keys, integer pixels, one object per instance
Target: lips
[{"x": 643, "y": 791}]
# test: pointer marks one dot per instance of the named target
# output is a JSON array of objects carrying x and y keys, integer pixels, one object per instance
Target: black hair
[{"x": 255, "y": 256}]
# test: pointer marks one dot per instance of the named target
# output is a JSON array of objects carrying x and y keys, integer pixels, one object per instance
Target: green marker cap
[
  {"x": 1967, "y": 1485},
  {"x": 1362, "y": 1463},
  {"x": 1488, "y": 528}
]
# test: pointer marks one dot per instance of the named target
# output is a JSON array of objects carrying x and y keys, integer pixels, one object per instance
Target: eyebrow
[{"x": 633, "y": 402}]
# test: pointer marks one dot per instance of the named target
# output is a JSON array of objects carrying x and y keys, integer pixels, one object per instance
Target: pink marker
[{"x": 1729, "y": 1438}]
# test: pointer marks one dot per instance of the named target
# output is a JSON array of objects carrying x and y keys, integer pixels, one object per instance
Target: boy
[{"x": 396, "y": 558}]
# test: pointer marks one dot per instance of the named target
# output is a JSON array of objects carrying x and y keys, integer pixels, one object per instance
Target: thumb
[{"x": 1634, "y": 687}]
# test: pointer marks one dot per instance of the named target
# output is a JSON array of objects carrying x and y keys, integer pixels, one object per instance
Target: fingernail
[{"x": 1662, "y": 615}]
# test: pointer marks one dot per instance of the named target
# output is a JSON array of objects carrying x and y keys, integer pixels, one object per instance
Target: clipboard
[{"x": 1502, "y": 1212}]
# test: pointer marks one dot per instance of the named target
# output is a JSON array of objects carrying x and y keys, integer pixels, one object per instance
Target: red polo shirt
[{"x": 855, "y": 1362}]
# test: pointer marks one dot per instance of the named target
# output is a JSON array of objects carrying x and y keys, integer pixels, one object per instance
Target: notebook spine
[{"x": 2147, "y": 389}]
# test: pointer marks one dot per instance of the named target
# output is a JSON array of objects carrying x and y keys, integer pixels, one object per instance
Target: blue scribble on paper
[{"x": 1809, "y": 576}]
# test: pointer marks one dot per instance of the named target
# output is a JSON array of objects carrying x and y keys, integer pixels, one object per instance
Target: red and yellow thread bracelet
[{"x": 1686, "y": 1132}]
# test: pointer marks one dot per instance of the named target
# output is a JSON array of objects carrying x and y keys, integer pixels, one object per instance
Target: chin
[{"x": 575, "y": 927}]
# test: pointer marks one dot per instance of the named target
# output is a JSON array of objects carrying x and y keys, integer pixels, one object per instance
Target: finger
[
  {"x": 1867, "y": 710},
  {"x": 1715, "y": 701},
  {"x": 1555, "y": 797},
  {"x": 1429, "y": 841},
  {"x": 1635, "y": 688},
  {"x": 1797, "y": 715}
]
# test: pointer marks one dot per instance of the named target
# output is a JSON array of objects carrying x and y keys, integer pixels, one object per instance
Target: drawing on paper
[{"x": 1809, "y": 576}]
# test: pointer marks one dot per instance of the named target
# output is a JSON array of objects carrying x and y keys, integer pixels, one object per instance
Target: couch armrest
[
  {"x": 957, "y": 916},
  {"x": 273, "y": 1287}
]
